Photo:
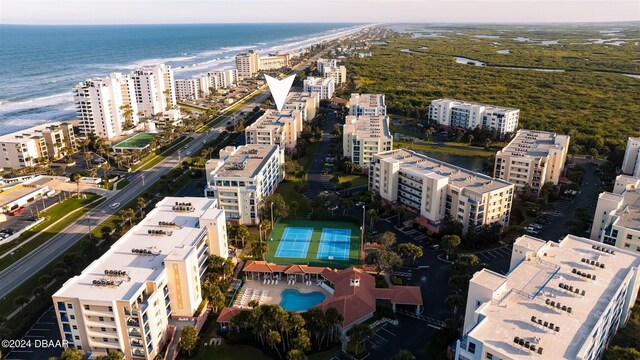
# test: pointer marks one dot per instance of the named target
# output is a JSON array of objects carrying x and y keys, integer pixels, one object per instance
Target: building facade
[
  {"x": 248, "y": 64},
  {"x": 275, "y": 128},
  {"x": 364, "y": 136},
  {"x": 558, "y": 301},
  {"x": 223, "y": 78},
  {"x": 616, "y": 219},
  {"x": 469, "y": 115},
  {"x": 323, "y": 64},
  {"x": 189, "y": 89},
  {"x": 631, "y": 162},
  {"x": 154, "y": 89},
  {"x": 25, "y": 147},
  {"x": 242, "y": 177},
  {"x": 433, "y": 190},
  {"x": 274, "y": 62},
  {"x": 367, "y": 104},
  {"x": 122, "y": 301},
  {"x": 532, "y": 158},
  {"x": 106, "y": 106},
  {"x": 306, "y": 103},
  {"x": 321, "y": 86}
]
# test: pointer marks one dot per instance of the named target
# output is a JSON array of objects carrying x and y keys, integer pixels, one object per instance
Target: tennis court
[
  {"x": 294, "y": 242},
  {"x": 334, "y": 244},
  {"x": 314, "y": 242},
  {"x": 138, "y": 141}
]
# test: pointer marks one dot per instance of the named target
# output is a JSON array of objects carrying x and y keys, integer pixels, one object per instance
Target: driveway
[{"x": 317, "y": 181}]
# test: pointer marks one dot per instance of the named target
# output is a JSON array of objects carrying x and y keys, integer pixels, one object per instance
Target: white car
[
  {"x": 188, "y": 152},
  {"x": 115, "y": 205},
  {"x": 186, "y": 147}
]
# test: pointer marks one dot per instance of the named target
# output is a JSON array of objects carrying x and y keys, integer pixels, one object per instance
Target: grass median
[
  {"x": 446, "y": 148},
  {"x": 60, "y": 215},
  {"x": 158, "y": 158}
]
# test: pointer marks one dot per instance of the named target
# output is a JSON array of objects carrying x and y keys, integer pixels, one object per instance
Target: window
[
  {"x": 100, "y": 318},
  {"x": 105, "y": 339},
  {"x": 86, "y": 307},
  {"x": 628, "y": 237},
  {"x": 103, "y": 329},
  {"x": 77, "y": 337},
  {"x": 74, "y": 327},
  {"x": 110, "y": 309},
  {"x": 73, "y": 317},
  {"x": 489, "y": 356},
  {"x": 70, "y": 306},
  {"x": 472, "y": 347}
]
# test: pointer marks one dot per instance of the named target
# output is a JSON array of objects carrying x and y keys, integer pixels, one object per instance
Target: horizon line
[{"x": 333, "y": 22}]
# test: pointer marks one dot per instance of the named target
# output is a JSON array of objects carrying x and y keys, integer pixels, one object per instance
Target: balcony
[
  {"x": 134, "y": 332},
  {"x": 133, "y": 322},
  {"x": 137, "y": 343},
  {"x": 137, "y": 353}
]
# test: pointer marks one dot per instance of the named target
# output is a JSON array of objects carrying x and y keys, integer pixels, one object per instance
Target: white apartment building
[
  {"x": 275, "y": 128},
  {"x": 242, "y": 177},
  {"x": 631, "y": 162},
  {"x": 365, "y": 136},
  {"x": 189, "y": 89},
  {"x": 434, "y": 190},
  {"x": 274, "y": 62},
  {"x": 248, "y": 64},
  {"x": 532, "y": 157},
  {"x": 106, "y": 106},
  {"x": 306, "y": 103},
  {"x": 122, "y": 301},
  {"x": 558, "y": 301},
  {"x": 616, "y": 220},
  {"x": 223, "y": 78},
  {"x": 322, "y": 64},
  {"x": 47, "y": 141},
  {"x": 154, "y": 89},
  {"x": 323, "y": 87},
  {"x": 367, "y": 104},
  {"x": 469, "y": 115}
]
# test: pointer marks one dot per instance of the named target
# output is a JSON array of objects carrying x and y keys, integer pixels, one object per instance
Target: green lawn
[
  {"x": 137, "y": 141},
  {"x": 62, "y": 212},
  {"x": 289, "y": 194},
  {"x": 145, "y": 164},
  {"x": 312, "y": 251},
  {"x": 230, "y": 352},
  {"x": 447, "y": 148},
  {"x": 355, "y": 180}
]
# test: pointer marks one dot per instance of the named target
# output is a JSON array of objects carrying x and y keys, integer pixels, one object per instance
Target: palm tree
[
  {"x": 294, "y": 206},
  {"x": 358, "y": 334},
  {"x": 76, "y": 179},
  {"x": 141, "y": 206},
  {"x": 40, "y": 293},
  {"x": 450, "y": 243},
  {"x": 87, "y": 159},
  {"x": 373, "y": 214},
  {"x": 273, "y": 339},
  {"x": 22, "y": 301},
  {"x": 295, "y": 354},
  {"x": 127, "y": 113}
]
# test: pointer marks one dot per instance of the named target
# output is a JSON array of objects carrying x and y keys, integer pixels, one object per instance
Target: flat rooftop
[
  {"x": 174, "y": 244},
  {"x": 629, "y": 213},
  {"x": 243, "y": 161},
  {"x": 371, "y": 127},
  {"x": 272, "y": 119},
  {"x": 534, "y": 143},
  {"x": 32, "y": 132},
  {"x": 471, "y": 103},
  {"x": 531, "y": 283},
  {"x": 367, "y": 100},
  {"x": 12, "y": 193},
  {"x": 420, "y": 165}
]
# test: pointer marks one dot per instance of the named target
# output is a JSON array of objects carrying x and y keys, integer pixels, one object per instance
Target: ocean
[{"x": 39, "y": 65}]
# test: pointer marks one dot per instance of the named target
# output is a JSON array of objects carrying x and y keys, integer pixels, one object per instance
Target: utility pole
[
  {"x": 271, "y": 212},
  {"x": 142, "y": 175}
]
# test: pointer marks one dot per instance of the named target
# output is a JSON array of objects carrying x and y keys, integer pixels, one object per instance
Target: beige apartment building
[
  {"x": 305, "y": 102},
  {"x": 274, "y": 62},
  {"x": 364, "y": 136},
  {"x": 48, "y": 141},
  {"x": 367, "y": 104},
  {"x": 122, "y": 302},
  {"x": 433, "y": 190},
  {"x": 247, "y": 64},
  {"x": 469, "y": 115},
  {"x": 532, "y": 158},
  {"x": 616, "y": 220},
  {"x": 631, "y": 161},
  {"x": 242, "y": 177},
  {"x": 561, "y": 300},
  {"x": 275, "y": 128}
]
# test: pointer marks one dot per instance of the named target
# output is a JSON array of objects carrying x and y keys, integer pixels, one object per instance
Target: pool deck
[{"x": 274, "y": 295}]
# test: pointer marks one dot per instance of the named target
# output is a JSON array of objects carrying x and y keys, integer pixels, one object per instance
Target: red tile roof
[
  {"x": 227, "y": 313},
  {"x": 263, "y": 266}
]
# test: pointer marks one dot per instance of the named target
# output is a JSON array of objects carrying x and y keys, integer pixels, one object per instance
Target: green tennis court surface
[
  {"x": 138, "y": 141},
  {"x": 319, "y": 243}
]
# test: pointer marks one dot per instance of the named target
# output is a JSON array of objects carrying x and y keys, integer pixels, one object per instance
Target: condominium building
[
  {"x": 433, "y": 190},
  {"x": 558, "y": 301},
  {"x": 323, "y": 87},
  {"x": 154, "y": 89},
  {"x": 248, "y": 64},
  {"x": 47, "y": 141},
  {"x": 532, "y": 158},
  {"x": 616, "y": 220},
  {"x": 367, "y": 104},
  {"x": 323, "y": 64},
  {"x": 275, "y": 128},
  {"x": 223, "y": 78},
  {"x": 242, "y": 177},
  {"x": 122, "y": 301},
  {"x": 306, "y": 103},
  {"x": 469, "y": 115},
  {"x": 365, "y": 136},
  {"x": 274, "y": 62},
  {"x": 631, "y": 162},
  {"x": 106, "y": 106},
  {"x": 189, "y": 89}
]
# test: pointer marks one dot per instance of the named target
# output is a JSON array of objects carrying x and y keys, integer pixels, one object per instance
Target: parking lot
[
  {"x": 45, "y": 329},
  {"x": 498, "y": 259}
]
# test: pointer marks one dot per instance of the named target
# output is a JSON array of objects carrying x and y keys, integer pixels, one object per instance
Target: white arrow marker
[{"x": 279, "y": 89}]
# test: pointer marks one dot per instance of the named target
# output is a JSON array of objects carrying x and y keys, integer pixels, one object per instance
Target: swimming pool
[{"x": 294, "y": 300}]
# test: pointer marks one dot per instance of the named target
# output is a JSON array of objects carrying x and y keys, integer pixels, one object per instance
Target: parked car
[
  {"x": 360, "y": 203},
  {"x": 536, "y": 226},
  {"x": 531, "y": 230},
  {"x": 115, "y": 205}
]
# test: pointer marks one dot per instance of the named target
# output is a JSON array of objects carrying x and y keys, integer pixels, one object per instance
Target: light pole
[
  {"x": 89, "y": 222},
  {"x": 362, "y": 231},
  {"x": 260, "y": 228},
  {"x": 271, "y": 213},
  {"x": 178, "y": 155},
  {"x": 142, "y": 175}
]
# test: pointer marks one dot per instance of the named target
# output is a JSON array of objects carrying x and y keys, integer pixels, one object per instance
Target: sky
[{"x": 282, "y": 11}]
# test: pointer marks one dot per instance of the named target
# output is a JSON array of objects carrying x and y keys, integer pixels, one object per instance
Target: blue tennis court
[
  {"x": 294, "y": 242},
  {"x": 334, "y": 244}
]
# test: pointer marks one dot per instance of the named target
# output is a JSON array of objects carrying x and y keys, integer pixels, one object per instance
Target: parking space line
[
  {"x": 383, "y": 339},
  {"x": 388, "y": 331}
]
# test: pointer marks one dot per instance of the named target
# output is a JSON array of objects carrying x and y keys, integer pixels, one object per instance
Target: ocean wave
[
  {"x": 45, "y": 101},
  {"x": 145, "y": 62}
]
